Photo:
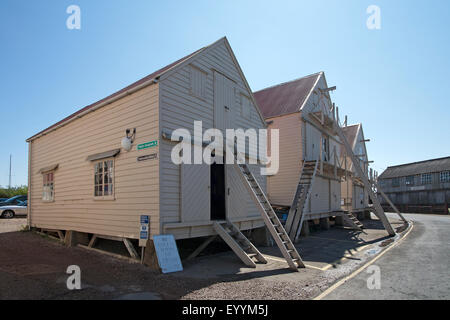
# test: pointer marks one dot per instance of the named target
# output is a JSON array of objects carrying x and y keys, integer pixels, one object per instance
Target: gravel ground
[
  {"x": 306, "y": 284},
  {"x": 34, "y": 267}
]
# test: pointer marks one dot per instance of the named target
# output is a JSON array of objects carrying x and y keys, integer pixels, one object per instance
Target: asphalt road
[{"x": 418, "y": 268}]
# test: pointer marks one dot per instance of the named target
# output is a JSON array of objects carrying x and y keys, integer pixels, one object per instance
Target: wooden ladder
[
  {"x": 378, "y": 210},
  {"x": 375, "y": 185},
  {"x": 304, "y": 189},
  {"x": 352, "y": 220},
  {"x": 239, "y": 243},
  {"x": 270, "y": 218}
]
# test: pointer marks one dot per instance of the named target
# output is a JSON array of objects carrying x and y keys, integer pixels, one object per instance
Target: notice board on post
[{"x": 167, "y": 253}]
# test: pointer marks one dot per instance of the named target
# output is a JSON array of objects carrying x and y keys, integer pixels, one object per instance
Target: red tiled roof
[
  {"x": 152, "y": 76},
  {"x": 285, "y": 98}
]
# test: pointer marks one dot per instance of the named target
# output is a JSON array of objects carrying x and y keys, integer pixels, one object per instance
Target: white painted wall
[{"x": 179, "y": 108}]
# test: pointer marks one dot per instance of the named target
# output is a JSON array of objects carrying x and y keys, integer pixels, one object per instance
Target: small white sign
[
  {"x": 144, "y": 231},
  {"x": 167, "y": 253}
]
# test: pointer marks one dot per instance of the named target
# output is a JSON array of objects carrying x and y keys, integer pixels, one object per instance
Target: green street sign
[{"x": 147, "y": 145}]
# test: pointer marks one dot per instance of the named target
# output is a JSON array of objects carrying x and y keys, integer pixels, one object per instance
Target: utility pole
[{"x": 10, "y": 167}]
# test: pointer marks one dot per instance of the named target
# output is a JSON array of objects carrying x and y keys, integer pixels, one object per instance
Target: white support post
[{"x": 377, "y": 206}]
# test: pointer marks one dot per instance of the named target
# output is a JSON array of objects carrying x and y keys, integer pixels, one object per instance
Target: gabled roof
[
  {"x": 149, "y": 78},
  {"x": 286, "y": 98},
  {"x": 351, "y": 132},
  {"x": 409, "y": 169},
  {"x": 142, "y": 83}
]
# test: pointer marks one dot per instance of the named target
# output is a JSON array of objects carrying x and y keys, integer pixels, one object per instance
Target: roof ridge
[
  {"x": 287, "y": 82},
  {"x": 149, "y": 77},
  {"x": 352, "y": 125},
  {"x": 417, "y": 162}
]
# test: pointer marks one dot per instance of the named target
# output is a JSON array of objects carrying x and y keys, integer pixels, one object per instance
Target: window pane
[
  {"x": 103, "y": 178},
  {"x": 409, "y": 180},
  {"x": 98, "y": 191},
  {"x": 426, "y": 178}
]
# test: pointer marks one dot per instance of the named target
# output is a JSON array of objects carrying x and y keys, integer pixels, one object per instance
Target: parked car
[
  {"x": 3, "y": 199},
  {"x": 13, "y": 201},
  {"x": 9, "y": 212}
]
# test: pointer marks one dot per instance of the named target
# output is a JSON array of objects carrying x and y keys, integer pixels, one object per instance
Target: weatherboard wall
[
  {"x": 282, "y": 186},
  {"x": 180, "y": 106},
  {"x": 299, "y": 140},
  {"x": 136, "y": 183}
]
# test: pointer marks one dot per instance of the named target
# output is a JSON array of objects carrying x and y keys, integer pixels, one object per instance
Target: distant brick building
[{"x": 418, "y": 187}]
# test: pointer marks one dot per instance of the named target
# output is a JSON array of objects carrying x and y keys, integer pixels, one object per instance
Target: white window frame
[
  {"x": 409, "y": 183},
  {"x": 99, "y": 185},
  {"x": 48, "y": 192},
  {"x": 325, "y": 145},
  {"x": 444, "y": 176},
  {"x": 427, "y": 180}
]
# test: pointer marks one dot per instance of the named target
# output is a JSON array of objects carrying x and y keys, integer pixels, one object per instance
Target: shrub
[{"x": 12, "y": 192}]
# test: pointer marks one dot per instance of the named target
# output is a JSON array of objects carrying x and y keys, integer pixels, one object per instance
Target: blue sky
[{"x": 394, "y": 80}]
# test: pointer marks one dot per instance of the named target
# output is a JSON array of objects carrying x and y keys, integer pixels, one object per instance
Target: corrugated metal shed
[
  {"x": 428, "y": 166},
  {"x": 287, "y": 97}
]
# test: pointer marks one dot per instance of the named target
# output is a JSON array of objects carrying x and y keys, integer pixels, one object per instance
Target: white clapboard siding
[
  {"x": 282, "y": 186},
  {"x": 179, "y": 108},
  {"x": 320, "y": 195},
  {"x": 358, "y": 200},
  {"x": 195, "y": 196},
  {"x": 136, "y": 183},
  {"x": 335, "y": 195}
]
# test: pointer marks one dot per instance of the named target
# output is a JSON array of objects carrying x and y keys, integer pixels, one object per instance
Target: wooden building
[
  {"x": 81, "y": 178},
  {"x": 418, "y": 187},
  {"x": 354, "y": 196},
  {"x": 299, "y": 109}
]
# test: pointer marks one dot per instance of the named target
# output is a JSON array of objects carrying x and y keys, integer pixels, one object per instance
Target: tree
[{"x": 12, "y": 192}]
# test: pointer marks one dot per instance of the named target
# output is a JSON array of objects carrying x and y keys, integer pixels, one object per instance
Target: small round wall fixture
[{"x": 126, "y": 144}]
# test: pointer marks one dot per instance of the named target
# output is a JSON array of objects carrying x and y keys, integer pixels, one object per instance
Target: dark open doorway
[{"x": 218, "y": 211}]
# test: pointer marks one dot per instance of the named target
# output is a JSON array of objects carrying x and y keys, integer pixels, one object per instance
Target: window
[
  {"x": 325, "y": 149},
  {"x": 409, "y": 181},
  {"x": 396, "y": 182},
  {"x": 104, "y": 178},
  {"x": 48, "y": 193},
  {"x": 198, "y": 83},
  {"x": 445, "y": 176},
  {"x": 426, "y": 178},
  {"x": 246, "y": 107}
]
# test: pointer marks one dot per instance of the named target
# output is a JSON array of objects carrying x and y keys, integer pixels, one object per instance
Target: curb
[{"x": 397, "y": 240}]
